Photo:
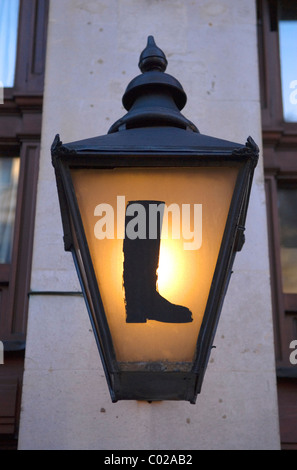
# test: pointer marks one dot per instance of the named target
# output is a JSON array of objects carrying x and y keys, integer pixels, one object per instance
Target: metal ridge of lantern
[{"x": 153, "y": 154}]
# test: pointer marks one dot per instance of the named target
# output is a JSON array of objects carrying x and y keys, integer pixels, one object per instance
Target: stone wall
[{"x": 92, "y": 54}]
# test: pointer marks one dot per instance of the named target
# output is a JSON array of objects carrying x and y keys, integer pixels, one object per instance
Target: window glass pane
[
  {"x": 9, "y": 175},
  {"x": 287, "y": 206},
  {"x": 288, "y": 47},
  {"x": 9, "y": 13}
]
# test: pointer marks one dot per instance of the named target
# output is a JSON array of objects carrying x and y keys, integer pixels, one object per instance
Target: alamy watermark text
[
  {"x": 1, "y": 93},
  {"x": 186, "y": 222},
  {"x": 293, "y": 355},
  {"x": 293, "y": 94}
]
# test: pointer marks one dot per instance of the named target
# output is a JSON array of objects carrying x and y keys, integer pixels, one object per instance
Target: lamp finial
[{"x": 152, "y": 57}]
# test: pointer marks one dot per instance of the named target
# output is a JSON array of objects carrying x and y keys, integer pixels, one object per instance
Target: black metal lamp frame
[{"x": 153, "y": 134}]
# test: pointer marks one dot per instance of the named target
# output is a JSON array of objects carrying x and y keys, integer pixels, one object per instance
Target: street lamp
[{"x": 154, "y": 213}]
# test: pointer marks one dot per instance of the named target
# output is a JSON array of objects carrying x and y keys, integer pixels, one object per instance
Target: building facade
[{"x": 218, "y": 51}]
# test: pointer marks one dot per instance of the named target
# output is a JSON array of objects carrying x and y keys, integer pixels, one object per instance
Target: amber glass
[{"x": 198, "y": 201}]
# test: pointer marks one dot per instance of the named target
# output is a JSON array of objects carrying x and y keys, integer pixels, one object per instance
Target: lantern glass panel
[{"x": 192, "y": 205}]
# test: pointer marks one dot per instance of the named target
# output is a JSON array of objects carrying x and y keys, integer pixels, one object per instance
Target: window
[
  {"x": 9, "y": 175},
  {"x": 9, "y": 15},
  {"x": 288, "y": 45},
  {"x": 277, "y": 39},
  {"x": 23, "y": 32},
  {"x": 287, "y": 210}
]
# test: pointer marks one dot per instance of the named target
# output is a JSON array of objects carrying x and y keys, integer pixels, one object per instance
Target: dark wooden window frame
[
  {"x": 15, "y": 277},
  {"x": 276, "y": 130},
  {"x": 20, "y": 130},
  {"x": 280, "y": 165},
  {"x": 20, "y": 135},
  {"x": 284, "y": 305}
]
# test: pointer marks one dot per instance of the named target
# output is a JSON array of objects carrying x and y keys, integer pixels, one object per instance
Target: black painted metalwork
[
  {"x": 153, "y": 134},
  {"x": 153, "y": 98}
]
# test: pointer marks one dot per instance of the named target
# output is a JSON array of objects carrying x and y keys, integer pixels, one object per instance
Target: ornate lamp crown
[{"x": 154, "y": 98}]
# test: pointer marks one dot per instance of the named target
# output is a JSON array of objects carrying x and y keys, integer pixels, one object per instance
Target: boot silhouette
[{"x": 141, "y": 258}]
